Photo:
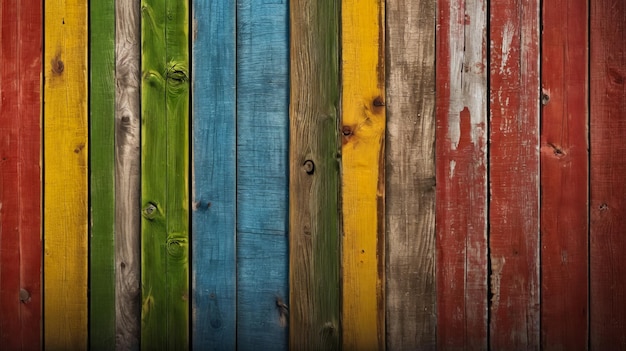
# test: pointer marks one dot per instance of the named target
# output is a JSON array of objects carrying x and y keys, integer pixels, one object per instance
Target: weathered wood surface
[
  {"x": 564, "y": 176},
  {"x": 607, "y": 186},
  {"x": 127, "y": 174},
  {"x": 514, "y": 175},
  {"x": 314, "y": 239},
  {"x": 65, "y": 175},
  {"x": 165, "y": 162},
  {"x": 214, "y": 175},
  {"x": 20, "y": 189},
  {"x": 410, "y": 175},
  {"x": 462, "y": 175},
  {"x": 363, "y": 180},
  {"x": 262, "y": 174}
]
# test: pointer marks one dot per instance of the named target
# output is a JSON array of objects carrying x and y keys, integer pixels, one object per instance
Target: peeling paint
[
  {"x": 507, "y": 39},
  {"x": 497, "y": 263},
  {"x": 452, "y": 167}
]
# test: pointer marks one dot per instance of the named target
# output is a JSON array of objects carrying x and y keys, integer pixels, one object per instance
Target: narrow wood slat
[
  {"x": 102, "y": 190},
  {"x": 214, "y": 175},
  {"x": 165, "y": 157},
  {"x": 20, "y": 190},
  {"x": 410, "y": 175},
  {"x": 564, "y": 176},
  {"x": 363, "y": 181},
  {"x": 127, "y": 175},
  {"x": 462, "y": 175},
  {"x": 314, "y": 177},
  {"x": 262, "y": 174},
  {"x": 514, "y": 175},
  {"x": 607, "y": 186}
]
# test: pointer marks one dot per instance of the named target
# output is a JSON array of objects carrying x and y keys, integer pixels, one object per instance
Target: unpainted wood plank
[
  {"x": 262, "y": 174},
  {"x": 20, "y": 174},
  {"x": 410, "y": 175},
  {"x": 564, "y": 176},
  {"x": 462, "y": 175},
  {"x": 607, "y": 170},
  {"x": 514, "y": 175},
  {"x": 127, "y": 175},
  {"x": 314, "y": 270},
  {"x": 362, "y": 171}
]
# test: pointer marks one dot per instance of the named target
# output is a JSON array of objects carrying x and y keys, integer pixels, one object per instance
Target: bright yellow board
[
  {"x": 65, "y": 175},
  {"x": 363, "y": 133}
]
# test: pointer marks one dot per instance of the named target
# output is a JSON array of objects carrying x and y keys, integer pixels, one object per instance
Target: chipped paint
[
  {"x": 452, "y": 167},
  {"x": 497, "y": 264}
]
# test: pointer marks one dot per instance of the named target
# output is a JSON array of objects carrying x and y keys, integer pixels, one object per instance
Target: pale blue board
[
  {"x": 214, "y": 175},
  {"x": 262, "y": 174}
]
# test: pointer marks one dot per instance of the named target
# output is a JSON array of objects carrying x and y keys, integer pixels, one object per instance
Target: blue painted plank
[
  {"x": 262, "y": 174},
  {"x": 214, "y": 193}
]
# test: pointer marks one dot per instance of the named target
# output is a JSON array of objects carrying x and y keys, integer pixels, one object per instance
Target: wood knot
[
  {"x": 150, "y": 211},
  {"x": 309, "y": 167},
  {"x": 57, "y": 65},
  {"x": 346, "y": 131},
  {"x": 545, "y": 98},
  {"x": 24, "y": 296}
]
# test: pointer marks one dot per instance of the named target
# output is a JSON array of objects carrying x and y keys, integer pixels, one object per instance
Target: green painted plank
[{"x": 102, "y": 159}]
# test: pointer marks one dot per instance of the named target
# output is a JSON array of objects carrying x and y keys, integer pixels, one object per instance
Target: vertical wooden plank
[
  {"x": 102, "y": 157},
  {"x": 514, "y": 175},
  {"x": 363, "y": 137},
  {"x": 262, "y": 174},
  {"x": 608, "y": 189},
  {"x": 214, "y": 175},
  {"x": 127, "y": 174},
  {"x": 462, "y": 175},
  {"x": 410, "y": 175},
  {"x": 20, "y": 171},
  {"x": 564, "y": 176},
  {"x": 65, "y": 174},
  {"x": 314, "y": 177},
  {"x": 165, "y": 158}
]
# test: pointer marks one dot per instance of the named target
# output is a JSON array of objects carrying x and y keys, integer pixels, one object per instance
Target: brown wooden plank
[
  {"x": 514, "y": 175},
  {"x": 608, "y": 175},
  {"x": 462, "y": 175},
  {"x": 564, "y": 176},
  {"x": 410, "y": 175}
]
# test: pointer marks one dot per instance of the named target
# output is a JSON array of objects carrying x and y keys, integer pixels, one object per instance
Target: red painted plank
[
  {"x": 608, "y": 175},
  {"x": 514, "y": 175},
  {"x": 564, "y": 176},
  {"x": 20, "y": 219},
  {"x": 461, "y": 175}
]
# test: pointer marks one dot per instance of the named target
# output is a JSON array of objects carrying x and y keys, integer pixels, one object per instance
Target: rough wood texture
[
  {"x": 165, "y": 162},
  {"x": 20, "y": 189},
  {"x": 608, "y": 189},
  {"x": 65, "y": 175},
  {"x": 127, "y": 175},
  {"x": 410, "y": 175},
  {"x": 214, "y": 175},
  {"x": 564, "y": 176},
  {"x": 363, "y": 180},
  {"x": 262, "y": 174},
  {"x": 314, "y": 177},
  {"x": 462, "y": 175},
  {"x": 514, "y": 175}
]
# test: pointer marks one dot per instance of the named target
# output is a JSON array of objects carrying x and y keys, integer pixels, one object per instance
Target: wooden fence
[{"x": 312, "y": 175}]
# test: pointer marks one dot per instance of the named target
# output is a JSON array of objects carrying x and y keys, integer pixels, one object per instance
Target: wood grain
[
  {"x": 462, "y": 175},
  {"x": 607, "y": 169},
  {"x": 214, "y": 175},
  {"x": 127, "y": 175},
  {"x": 410, "y": 175},
  {"x": 363, "y": 180},
  {"x": 262, "y": 174},
  {"x": 514, "y": 175},
  {"x": 315, "y": 262},
  {"x": 564, "y": 176},
  {"x": 20, "y": 174}
]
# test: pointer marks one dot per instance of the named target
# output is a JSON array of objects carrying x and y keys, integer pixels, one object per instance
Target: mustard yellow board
[
  {"x": 65, "y": 175},
  {"x": 363, "y": 131}
]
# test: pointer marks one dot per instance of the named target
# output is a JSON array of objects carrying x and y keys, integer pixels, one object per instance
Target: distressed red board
[
  {"x": 514, "y": 175},
  {"x": 608, "y": 175},
  {"x": 564, "y": 176},
  {"x": 20, "y": 219}
]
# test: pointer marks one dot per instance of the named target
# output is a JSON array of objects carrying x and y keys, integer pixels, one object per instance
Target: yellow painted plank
[
  {"x": 65, "y": 175},
  {"x": 363, "y": 133}
]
